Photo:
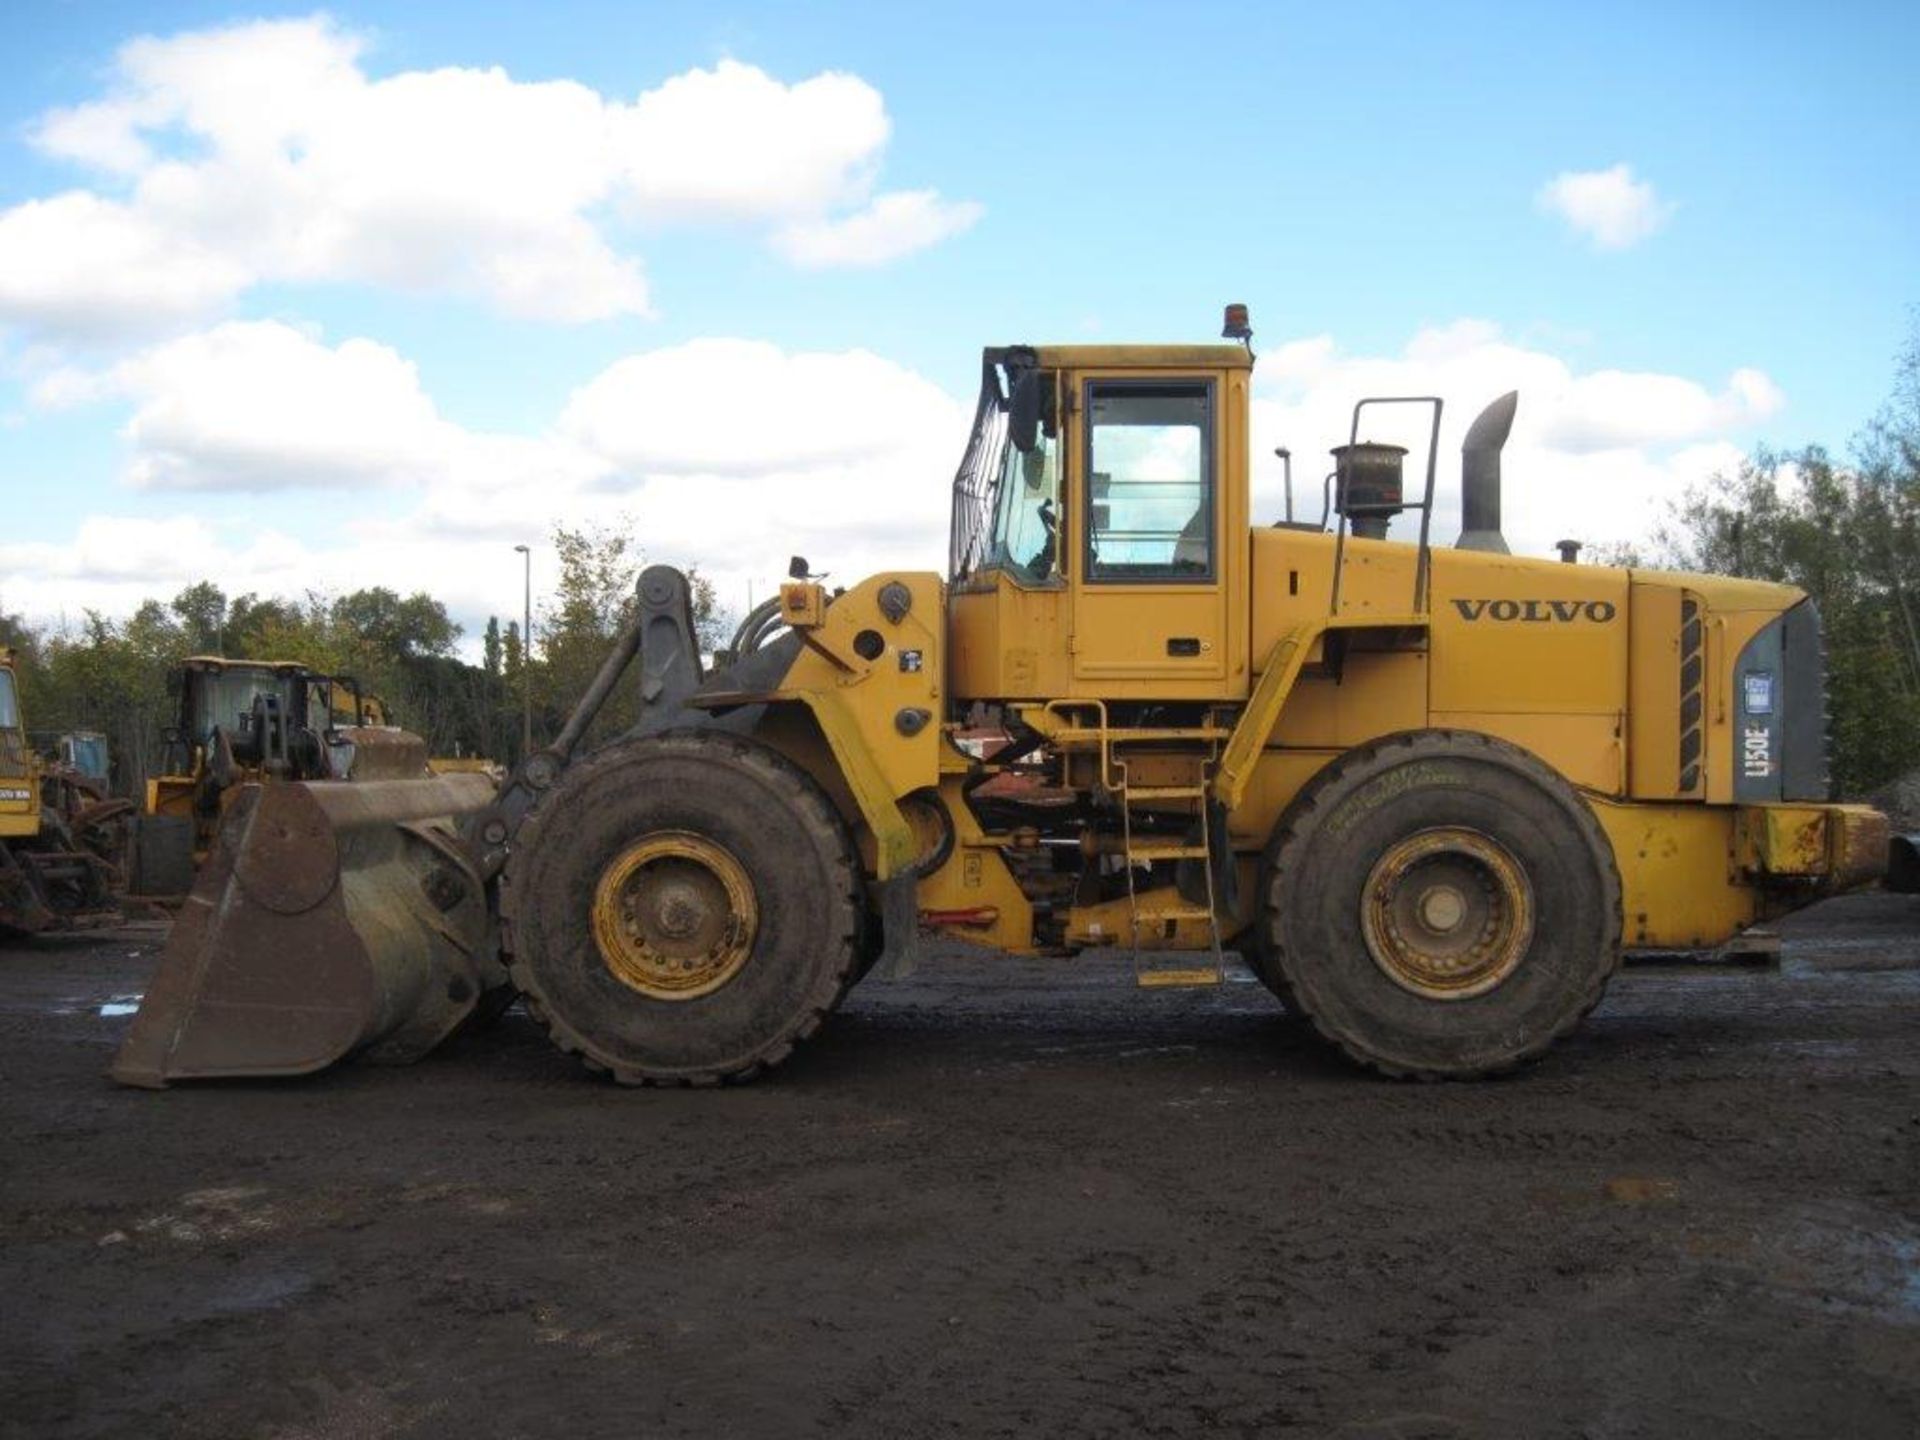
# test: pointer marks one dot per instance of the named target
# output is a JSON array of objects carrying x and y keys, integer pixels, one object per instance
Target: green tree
[
  {"x": 251, "y": 622},
  {"x": 490, "y": 651},
  {"x": 113, "y": 676},
  {"x": 595, "y": 599},
  {"x": 386, "y": 624},
  {"x": 202, "y": 611}
]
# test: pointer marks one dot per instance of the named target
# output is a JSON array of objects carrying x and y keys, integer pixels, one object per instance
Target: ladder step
[
  {"x": 1088, "y": 737},
  {"x": 1168, "y": 979},
  {"x": 1164, "y": 792},
  {"x": 1164, "y": 850}
]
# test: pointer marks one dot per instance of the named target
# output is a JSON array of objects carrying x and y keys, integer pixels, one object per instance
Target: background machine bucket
[{"x": 332, "y": 917}]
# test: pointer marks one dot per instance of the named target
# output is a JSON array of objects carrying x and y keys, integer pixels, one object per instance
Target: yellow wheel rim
[
  {"x": 1447, "y": 913},
  {"x": 674, "y": 916}
]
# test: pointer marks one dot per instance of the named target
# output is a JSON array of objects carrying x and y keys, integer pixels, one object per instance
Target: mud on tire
[
  {"x": 788, "y": 843},
  {"x": 1382, "y": 798}
]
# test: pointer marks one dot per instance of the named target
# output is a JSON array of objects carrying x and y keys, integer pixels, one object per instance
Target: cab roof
[
  {"x": 1144, "y": 357},
  {"x": 221, "y": 662}
]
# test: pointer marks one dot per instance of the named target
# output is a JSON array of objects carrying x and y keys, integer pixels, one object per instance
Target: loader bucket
[{"x": 332, "y": 918}]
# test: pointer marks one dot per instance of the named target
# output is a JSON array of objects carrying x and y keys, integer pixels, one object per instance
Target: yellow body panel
[
  {"x": 1679, "y": 888},
  {"x": 1010, "y": 637},
  {"x": 975, "y": 878},
  {"x": 873, "y": 687},
  {"x": 19, "y": 769}
]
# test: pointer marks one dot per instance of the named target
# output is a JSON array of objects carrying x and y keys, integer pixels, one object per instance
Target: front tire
[
  {"x": 1440, "y": 904},
  {"x": 682, "y": 909}
]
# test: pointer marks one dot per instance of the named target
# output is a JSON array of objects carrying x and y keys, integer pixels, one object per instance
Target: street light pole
[{"x": 526, "y": 657}]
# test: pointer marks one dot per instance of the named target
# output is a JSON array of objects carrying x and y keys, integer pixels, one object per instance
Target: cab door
[{"x": 1150, "y": 555}]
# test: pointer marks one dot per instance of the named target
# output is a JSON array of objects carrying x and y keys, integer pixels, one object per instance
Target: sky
[{"x": 300, "y": 299}]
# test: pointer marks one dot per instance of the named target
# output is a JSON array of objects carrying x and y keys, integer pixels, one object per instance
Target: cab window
[
  {"x": 1025, "y": 525},
  {"x": 1150, "y": 483}
]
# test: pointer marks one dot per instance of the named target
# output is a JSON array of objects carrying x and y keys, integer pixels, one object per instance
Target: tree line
[{"x": 117, "y": 676}]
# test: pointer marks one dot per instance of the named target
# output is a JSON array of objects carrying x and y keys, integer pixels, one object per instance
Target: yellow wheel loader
[
  {"x": 59, "y": 832},
  {"x": 251, "y": 720},
  {"x": 1430, "y": 793},
  {"x": 247, "y": 722}
]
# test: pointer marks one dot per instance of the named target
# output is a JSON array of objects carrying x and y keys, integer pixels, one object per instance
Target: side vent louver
[{"x": 1693, "y": 706}]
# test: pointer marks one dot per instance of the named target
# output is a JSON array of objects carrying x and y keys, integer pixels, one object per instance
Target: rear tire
[
  {"x": 1440, "y": 904},
  {"x": 682, "y": 909}
]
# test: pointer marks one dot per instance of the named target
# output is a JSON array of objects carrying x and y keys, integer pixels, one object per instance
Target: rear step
[{"x": 1177, "y": 979}]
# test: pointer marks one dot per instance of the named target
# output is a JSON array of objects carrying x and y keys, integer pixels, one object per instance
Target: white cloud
[
  {"x": 264, "y": 152},
  {"x": 893, "y": 225},
  {"x": 734, "y": 143},
  {"x": 79, "y": 265},
  {"x": 746, "y": 408},
  {"x": 1609, "y": 207},
  {"x": 729, "y": 454},
  {"x": 261, "y": 406},
  {"x": 1593, "y": 455}
]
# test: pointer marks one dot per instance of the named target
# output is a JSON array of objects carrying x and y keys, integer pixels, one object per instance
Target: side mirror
[{"x": 1023, "y": 410}]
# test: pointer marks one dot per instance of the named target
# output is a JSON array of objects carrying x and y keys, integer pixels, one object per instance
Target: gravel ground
[{"x": 1006, "y": 1198}]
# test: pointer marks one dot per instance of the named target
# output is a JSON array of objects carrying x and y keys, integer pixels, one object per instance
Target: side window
[
  {"x": 1026, "y": 526},
  {"x": 1150, "y": 484}
]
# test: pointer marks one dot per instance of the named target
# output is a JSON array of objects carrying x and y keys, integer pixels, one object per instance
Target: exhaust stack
[{"x": 1480, "y": 477}]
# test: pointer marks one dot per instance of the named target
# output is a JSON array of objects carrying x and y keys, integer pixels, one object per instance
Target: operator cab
[
  {"x": 277, "y": 715},
  {"x": 1097, "y": 518},
  {"x": 13, "y": 740}
]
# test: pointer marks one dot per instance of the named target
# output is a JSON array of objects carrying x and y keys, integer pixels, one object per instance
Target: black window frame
[{"x": 1209, "y": 478}]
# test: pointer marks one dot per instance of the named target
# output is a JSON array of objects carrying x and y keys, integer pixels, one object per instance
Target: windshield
[
  {"x": 226, "y": 698},
  {"x": 1006, "y": 500},
  {"x": 13, "y": 745},
  {"x": 88, "y": 755},
  {"x": 1026, "y": 512}
]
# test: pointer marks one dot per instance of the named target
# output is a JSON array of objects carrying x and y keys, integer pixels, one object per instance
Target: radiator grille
[
  {"x": 1693, "y": 700},
  {"x": 13, "y": 754}
]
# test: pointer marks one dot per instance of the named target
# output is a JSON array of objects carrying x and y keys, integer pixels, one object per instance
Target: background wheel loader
[
  {"x": 60, "y": 835},
  {"x": 1430, "y": 793},
  {"x": 254, "y": 721}
]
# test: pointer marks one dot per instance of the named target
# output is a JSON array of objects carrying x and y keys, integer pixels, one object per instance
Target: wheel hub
[
  {"x": 674, "y": 916},
  {"x": 1447, "y": 913}
]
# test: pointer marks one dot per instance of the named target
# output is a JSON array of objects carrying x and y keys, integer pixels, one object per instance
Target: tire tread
[
  {"x": 814, "y": 811},
  {"x": 1317, "y": 799}
]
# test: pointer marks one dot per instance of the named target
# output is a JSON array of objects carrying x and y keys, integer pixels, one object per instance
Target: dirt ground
[{"x": 1005, "y": 1198}]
